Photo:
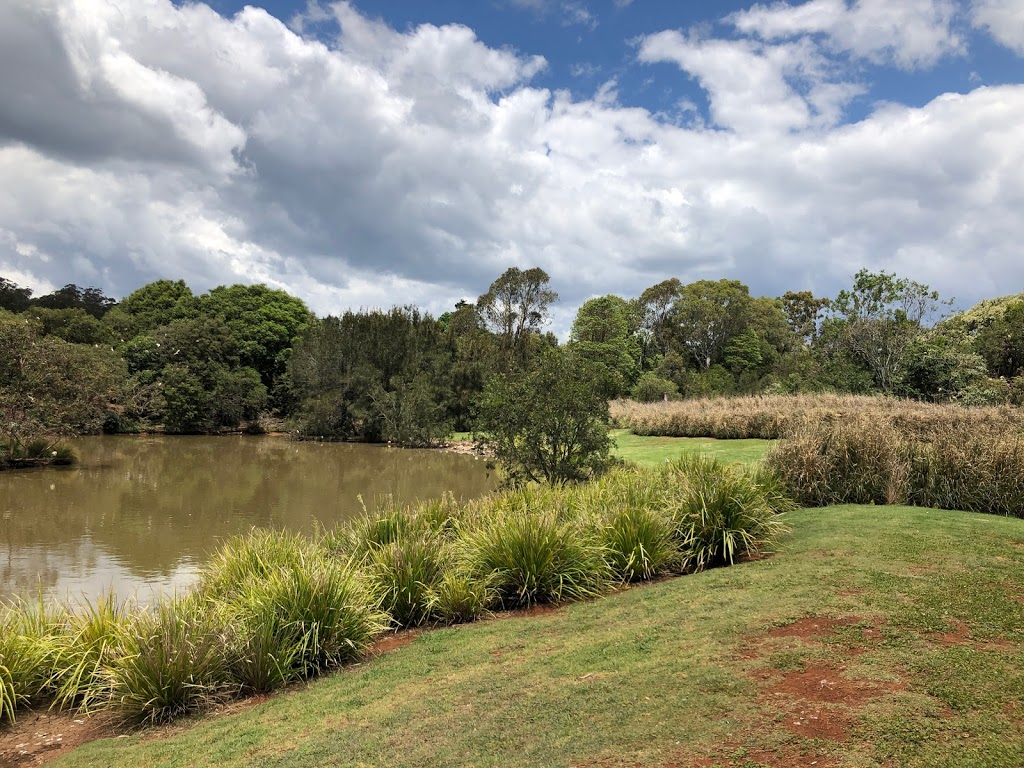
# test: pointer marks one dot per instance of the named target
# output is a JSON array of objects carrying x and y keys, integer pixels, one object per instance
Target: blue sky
[{"x": 374, "y": 153}]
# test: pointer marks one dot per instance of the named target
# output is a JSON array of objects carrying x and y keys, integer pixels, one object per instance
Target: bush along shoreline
[
  {"x": 272, "y": 608},
  {"x": 36, "y": 453}
]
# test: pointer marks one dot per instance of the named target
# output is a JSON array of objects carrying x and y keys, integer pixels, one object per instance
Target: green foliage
[
  {"x": 637, "y": 542},
  {"x": 170, "y": 663},
  {"x": 514, "y": 309},
  {"x": 601, "y": 336},
  {"x": 89, "y": 643},
  {"x": 152, "y": 306},
  {"x": 721, "y": 512},
  {"x": 652, "y": 388},
  {"x": 881, "y": 315},
  {"x": 1001, "y": 342},
  {"x": 26, "y": 657},
  {"x": 939, "y": 368},
  {"x": 73, "y": 325},
  {"x": 530, "y": 556},
  {"x": 549, "y": 424},
  {"x": 49, "y": 387},
  {"x": 706, "y": 316},
  {"x": 13, "y": 297},
  {"x": 377, "y": 376},
  {"x": 405, "y": 574}
]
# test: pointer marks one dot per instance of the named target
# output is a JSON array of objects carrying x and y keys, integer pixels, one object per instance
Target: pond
[{"x": 140, "y": 514}]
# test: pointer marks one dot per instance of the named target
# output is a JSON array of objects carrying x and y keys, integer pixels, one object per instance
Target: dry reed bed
[{"x": 772, "y": 417}]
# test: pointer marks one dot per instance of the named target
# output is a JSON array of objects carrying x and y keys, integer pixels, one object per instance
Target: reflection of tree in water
[{"x": 153, "y": 502}]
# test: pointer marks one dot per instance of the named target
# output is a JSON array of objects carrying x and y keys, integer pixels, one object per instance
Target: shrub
[
  {"x": 254, "y": 557},
  {"x": 550, "y": 424},
  {"x": 637, "y": 542},
  {"x": 299, "y": 621},
  {"x": 404, "y": 574},
  {"x": 720, "y": 512},
  {"x": 26, "y": 633},
  {"x": 531, "y": 557},
  {"x": 91, "y": 639},
  {"x": 651, "y": 388},
  {"x": 170, "y": 663},
  {"x": 458, "y": 598}
]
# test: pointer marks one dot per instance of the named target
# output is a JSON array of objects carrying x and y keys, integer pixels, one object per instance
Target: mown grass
[
  {"x": 681, "y": 672},
  {"x": 272, "y": 608},
  {"x": 650, "y": 451}
]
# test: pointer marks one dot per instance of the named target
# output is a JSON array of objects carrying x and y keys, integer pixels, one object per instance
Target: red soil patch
[
  {"x": 812, "y": 627},
  {"x": 39, "y": 737},
  {"x": 825, "y": 684},
  {"x": 788, "y": 756},
  {"x": 960, "y": 635},
  {"x": 394, "y": 641}
]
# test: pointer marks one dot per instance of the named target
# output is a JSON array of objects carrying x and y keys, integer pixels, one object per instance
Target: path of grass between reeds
[
  {"x": 875, "y": 636},
  {"x": 651, "y": 450}
]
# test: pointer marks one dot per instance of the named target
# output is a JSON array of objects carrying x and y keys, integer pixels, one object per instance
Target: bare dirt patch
[
  {"x": 38, "y": 737},
  {"x": 826, "y": 684},
  {"x": 394, "y": 641},
  {"x": 812, "y": 627}
]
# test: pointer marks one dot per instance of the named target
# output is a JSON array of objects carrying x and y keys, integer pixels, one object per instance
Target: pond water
[{"x": 140, "y": 514}]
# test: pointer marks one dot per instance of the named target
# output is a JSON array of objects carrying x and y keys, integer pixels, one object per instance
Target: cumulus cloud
[
  {"x": 909, "y": 33},
  {"x": 374, "y": 167},
  {"x": 1004, "y": 20}
]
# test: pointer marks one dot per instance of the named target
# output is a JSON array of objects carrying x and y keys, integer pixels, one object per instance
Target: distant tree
[
  {"x": 13, "y": 297},
  {"x": 601, "y": 336},
  {"x": 706, "y": 315},
  {"x": 882, "y": 314},
  {"x": 152, "y": 306},
  {"x": 549, "y": 424},
  {"x": 1001, "y": 342},
  {"x": 50, "y": 388},
  {"x": 378, "y": 376},
  {"x": 803, "y": 312},
  {"x": 652, "y": 388},
  {"x": 516, "y": 306},
  {"x": 655, "y": 305},
  {"x": 939, "y": 367},
  {"x": 90, "y": 300},
  {"x": 74, "y": 325},
  {"x": 263, "y": 321}
]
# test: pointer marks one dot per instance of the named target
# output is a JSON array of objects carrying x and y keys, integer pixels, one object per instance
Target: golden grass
[{"x": 774, "y": 416}]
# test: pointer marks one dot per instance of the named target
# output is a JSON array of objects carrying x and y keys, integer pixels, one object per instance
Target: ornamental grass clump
[
  {"x": 253, "y": 557},
  {"x": 627, "y": 512},
  {"x": 26, "y": 655},
  {"x": 298, "y": 622},
  {"x": 171, "y": 662},
  {"x": 531, "y": 556},
  {"x": 719, "y": 513},
  {"x": 405, "y": 575},
  {"x": 858, "y": 461},
  {"x": 92, "y": 637}
]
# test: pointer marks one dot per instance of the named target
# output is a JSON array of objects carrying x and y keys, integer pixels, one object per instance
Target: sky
[{"x": 371, "y": 153}]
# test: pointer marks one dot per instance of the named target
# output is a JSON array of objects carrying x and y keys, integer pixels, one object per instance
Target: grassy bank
[
  {"x": 271, "y": 609},
  {"x": 877, "y": 636},
  {"x": 651, "y": 451},
  {"x": 773, "y": 416}
]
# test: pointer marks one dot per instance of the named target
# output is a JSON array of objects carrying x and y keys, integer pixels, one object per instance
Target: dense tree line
[{"x": 76, "y": 360}]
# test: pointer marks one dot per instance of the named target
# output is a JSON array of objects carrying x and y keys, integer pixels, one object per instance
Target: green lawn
[
  {"x": 656, "y": 450},
  {"x": 927, "y": 670},
  {"x": 649, "y": 451}
]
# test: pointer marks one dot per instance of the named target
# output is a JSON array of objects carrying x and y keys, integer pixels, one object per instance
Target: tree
[
  {"x": 550, "y": 424},
  {"x": 74, "y": 325},
  {"x": 882, "y": 315},
  {"x": 13, "y": 297},
  {"x": 706, "y": 315},
  {"x": 89, "y": 300},
  {"x": 263, "y": 322},
  {"x": 656, "y": 306},
  {"x": 600, "y": 335},
  {"x": 151, "y": 306},
  {"x": 50, "y": 388},
  {"x": 1001, "y": 342},
  {"x": 515, "y": 306},
  {"x": 803, "y": 313}
]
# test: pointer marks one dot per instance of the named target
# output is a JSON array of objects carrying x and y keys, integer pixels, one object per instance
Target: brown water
[{"x": 140, "y": 514}]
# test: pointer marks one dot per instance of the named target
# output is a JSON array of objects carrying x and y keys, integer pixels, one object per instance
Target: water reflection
[{"x": 140, "y": 513}]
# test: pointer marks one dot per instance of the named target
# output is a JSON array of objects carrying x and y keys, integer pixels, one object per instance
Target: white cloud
[
  {"x": 753, "y": 87},
  {"x": 392, "y": 167},
  {"x": 1004, "y": 20},
  {"x": 909, "y": 33}
]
